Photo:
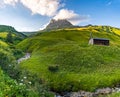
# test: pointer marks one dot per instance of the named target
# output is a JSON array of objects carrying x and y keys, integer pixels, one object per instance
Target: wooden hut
[{"x": 98, "y": 41}]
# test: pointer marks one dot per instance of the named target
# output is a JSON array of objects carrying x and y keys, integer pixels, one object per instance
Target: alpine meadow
[{"x": 59, "y": 48}]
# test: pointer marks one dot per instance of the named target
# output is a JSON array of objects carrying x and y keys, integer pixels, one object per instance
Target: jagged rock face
[{"x": 58, "y": 24}]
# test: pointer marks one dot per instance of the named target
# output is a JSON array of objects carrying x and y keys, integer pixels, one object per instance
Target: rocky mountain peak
[{"x": 58, "y": 24}]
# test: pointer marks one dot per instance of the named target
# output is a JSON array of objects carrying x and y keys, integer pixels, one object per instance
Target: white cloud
[
  {"x": 50, "y": 8},
  {"x": 10, "y": 2},
  {"x": 1, "y": 4},
  {"x": 42, "y": 7},
  {"x": 71, "y": 16},
  {"x": 44, "y": 26}
]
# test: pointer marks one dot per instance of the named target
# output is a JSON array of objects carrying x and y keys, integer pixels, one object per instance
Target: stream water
[
  {"x": 98, "y": 93},
  {"x": 27, "y": 56}
]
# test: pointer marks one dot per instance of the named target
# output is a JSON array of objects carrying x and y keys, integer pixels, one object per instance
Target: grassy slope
[
  {"x": 78, "y": 65},
  {"x": 4, "y": 28},
  {"x": 29, "y": 33},
  {"x": 8, "y": 86},
  {"x": 4, "y": 34},
  {"x": 4, "y": 44},
  {"x": 114, "y": 95},
  {"x": 17, "y": 36},
  {"x": 8, "y": 55}
]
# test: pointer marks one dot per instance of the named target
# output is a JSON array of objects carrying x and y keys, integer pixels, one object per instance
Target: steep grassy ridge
[
  {"x": 16, "y": 36},
  {"x": 64, "y": 60},
  {"x": 4, "y": 28},
  {"x": 4, "y": 34}
]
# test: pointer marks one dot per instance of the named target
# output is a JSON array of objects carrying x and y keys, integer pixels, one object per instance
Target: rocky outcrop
[{"x": 58, "y": 24}]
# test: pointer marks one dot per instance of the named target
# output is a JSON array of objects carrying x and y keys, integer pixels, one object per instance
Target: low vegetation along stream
[{"x": 104, "y": 92}]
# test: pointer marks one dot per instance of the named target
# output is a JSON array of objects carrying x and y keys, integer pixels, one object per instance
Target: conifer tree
[{"x": 9, "y": 37}]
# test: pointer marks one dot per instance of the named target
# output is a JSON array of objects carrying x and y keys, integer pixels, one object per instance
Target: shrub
[{"x": 53, "y": 68}]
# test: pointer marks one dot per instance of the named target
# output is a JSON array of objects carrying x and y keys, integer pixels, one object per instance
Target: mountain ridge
[
  {"x": 58, "y": 24},
  {"x": 9, "y": 30}
]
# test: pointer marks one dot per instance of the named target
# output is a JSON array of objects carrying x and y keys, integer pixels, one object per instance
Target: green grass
[
  {"x": 16, "y": 36},
  {"x": 8, "y": 86},
  {"x": 10, "y": 82},
  {"x": 79, "y": 65},
  {"x": 114, "y": 95},
  {"x": 4, "y": 34},
  {"x": 4, "y": 44}
]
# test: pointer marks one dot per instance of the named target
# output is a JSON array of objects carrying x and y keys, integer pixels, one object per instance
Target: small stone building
[{"x": 99, "y": 41}]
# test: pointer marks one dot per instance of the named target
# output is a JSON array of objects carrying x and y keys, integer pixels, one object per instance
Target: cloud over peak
[
  {"x": 71, "y": 16},
  {"x": 50, "y": 8},
  {"x": 10, "y": 2}
]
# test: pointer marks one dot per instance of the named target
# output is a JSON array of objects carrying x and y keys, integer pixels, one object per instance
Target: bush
[
  {"x": 10, "y": 88},
  {"x": 5, "y": 58},
  {"x": 17, "y": 53},
  {"x": 53, "y": 68}
]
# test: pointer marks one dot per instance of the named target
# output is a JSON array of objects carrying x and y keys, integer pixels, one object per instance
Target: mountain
[
  {"x": 64, "y": 61},
  {"x": 17, "y": 36},
  {"x": 5, "y": 28},
  {"x": 58, "y": 24}
]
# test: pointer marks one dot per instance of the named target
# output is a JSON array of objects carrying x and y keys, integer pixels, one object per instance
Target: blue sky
[{"x": 32, "y": 15}]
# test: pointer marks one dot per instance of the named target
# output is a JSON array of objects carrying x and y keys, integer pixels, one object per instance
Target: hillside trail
[{"x": 26, "y": 57}]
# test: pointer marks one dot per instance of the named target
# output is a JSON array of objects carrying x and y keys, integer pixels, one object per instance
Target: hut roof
[{"x": 100, "y": 38}]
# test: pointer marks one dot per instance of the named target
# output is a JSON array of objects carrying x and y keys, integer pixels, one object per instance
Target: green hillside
[
  {"x": 16, "y": 36},
  {"x": 10, "y": 75},
  {"x": 29, "y": 33},
  {"x": 9, "y": 86},
  {"x": 64, "y": 61}
]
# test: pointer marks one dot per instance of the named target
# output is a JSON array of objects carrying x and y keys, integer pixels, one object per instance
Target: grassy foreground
[
  {"x": 114, "y": 95},
  {"x": 10, "y": 87},
  {"x": 65, "y": 62}
]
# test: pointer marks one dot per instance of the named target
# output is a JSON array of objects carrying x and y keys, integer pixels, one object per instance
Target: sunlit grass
[
  {"x": 114, "y": 95},
  {"x": 80, "y": 66},
  {"x": 3, "y": 44},
  {"x": 4, "y": 34}
]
